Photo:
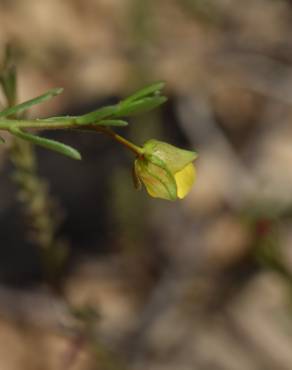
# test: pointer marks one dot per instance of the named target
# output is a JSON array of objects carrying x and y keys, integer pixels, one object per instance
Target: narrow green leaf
[
  {"x": 8, "y": 76},
  {"x": 139, "y": 106},
  {"x": 141, "y": 101},
  {"x": 8, "y": 82},
  {"x": 27, "y": 104},
  {"x": 2, "y": 140},
  {"x": 97, "y": 115},
  {"x": 47, "y": 143},
  {"x": 147, "y": 91},
  {"x": 111, "y": 122}
]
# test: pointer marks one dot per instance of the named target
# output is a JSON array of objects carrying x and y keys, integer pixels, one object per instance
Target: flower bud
[{"x": 166, "y": 171}]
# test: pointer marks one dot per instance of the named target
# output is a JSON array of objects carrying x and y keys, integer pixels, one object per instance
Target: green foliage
[
  {"x": 8, "y": 77},
  {"x": 143, "y": 100},
  {"x": 20, "y": 108},
  {"x": 47, "y": 143},
  {"x": 142, "y": 105},
  {"x": 97, "y": 115},
  {"x": 149, "y": 91}
]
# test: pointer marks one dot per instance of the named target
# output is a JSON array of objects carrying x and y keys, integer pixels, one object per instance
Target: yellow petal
[{"x": 185, "y": 179}]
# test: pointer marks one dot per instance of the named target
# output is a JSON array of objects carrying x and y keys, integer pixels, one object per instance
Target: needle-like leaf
[
  {"x": 139, "y": 106},
  {"x": 97, "y": 115},
  {"x": 27, "y": 104},
  {"x": 150, "y": 90},
  {"x": 47, "y": 143}
]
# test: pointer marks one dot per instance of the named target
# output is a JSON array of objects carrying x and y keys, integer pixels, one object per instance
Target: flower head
[{"x": 166, "y": 171}]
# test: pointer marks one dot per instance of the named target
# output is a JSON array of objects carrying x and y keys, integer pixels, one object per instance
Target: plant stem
[
  {"x": 7, "y": 124},
  {"x": 128, "y": 144}
]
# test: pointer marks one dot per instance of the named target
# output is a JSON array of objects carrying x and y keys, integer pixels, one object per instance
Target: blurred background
[{"x": 205, "y": 283}]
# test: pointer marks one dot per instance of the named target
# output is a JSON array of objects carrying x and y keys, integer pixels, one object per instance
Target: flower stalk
[{"x": 138, "y": 151}]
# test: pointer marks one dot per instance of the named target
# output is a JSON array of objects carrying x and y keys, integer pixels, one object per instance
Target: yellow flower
[{"x": 166, "y": 171}]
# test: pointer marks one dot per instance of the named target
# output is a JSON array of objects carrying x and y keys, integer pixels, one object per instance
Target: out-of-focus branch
[{"x": 50, "y": 312}]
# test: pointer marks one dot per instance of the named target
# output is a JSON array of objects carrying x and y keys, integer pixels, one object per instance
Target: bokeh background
[{"x": 202, "y": 284}]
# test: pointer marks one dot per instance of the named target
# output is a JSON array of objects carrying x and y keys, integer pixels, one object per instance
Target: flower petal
[{"x": 184, "y": 180}]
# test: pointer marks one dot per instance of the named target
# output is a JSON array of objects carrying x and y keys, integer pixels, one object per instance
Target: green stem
[
  {"x": 7, "y": 124},
  {"x": 126, "y": 143}
]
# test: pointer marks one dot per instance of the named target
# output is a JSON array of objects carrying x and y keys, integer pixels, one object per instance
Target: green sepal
[
  {"x": 97, "y": 115},
  {"x": 29, "y": 103},
  {"x": 46, "y": 143},
  {"x": 171, "y": 184},
  {"x": 174, "y": 158},
  {"x": 158, "y": 180},
  {"x": 140, "y": 106},
  {"x": 150, "y": 90}
]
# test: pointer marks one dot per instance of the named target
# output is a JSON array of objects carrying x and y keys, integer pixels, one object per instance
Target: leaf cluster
[{"x": 141, "y": 101}]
